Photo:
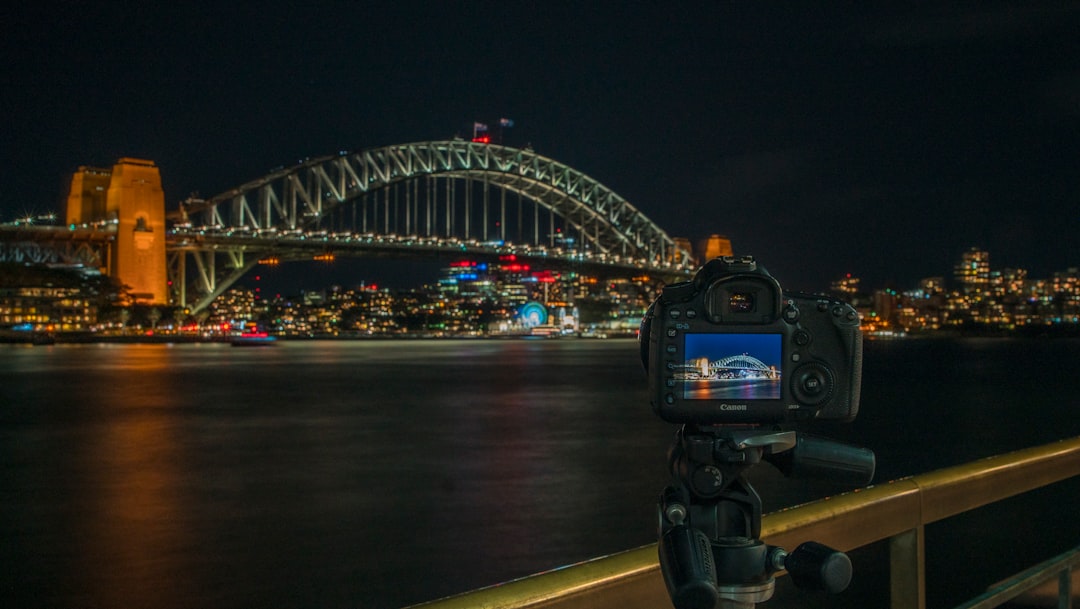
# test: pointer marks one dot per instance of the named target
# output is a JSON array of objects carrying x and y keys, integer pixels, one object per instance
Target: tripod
[{"x": 710, "y": 515}]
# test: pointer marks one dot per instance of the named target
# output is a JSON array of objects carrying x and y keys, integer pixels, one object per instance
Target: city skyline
[
  {"x": 974, "y": 296},
  {"x": 471, "y": 298},
  {"x": 861, "y": 140}
]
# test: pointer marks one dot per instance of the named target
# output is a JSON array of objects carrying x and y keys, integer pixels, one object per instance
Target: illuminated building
[
  {"x": 973, "y": 271},
  {"x": 55, "y": 298},
  {"x": 932, "y": 286},
  {"x": 129, "y": 199},
  {"x": 846, "y": 287},
  {"x": 51, "y": 308},
  {"x": 716, "y": 246}
]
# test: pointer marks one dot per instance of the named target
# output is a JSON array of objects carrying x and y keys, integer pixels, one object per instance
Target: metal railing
[
  {"x": 897, "y": 511},
  {"x": 1060, "y": 566}
]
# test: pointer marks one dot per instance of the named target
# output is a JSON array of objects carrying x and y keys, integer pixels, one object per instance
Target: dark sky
[{"x": 876, "y": 141}]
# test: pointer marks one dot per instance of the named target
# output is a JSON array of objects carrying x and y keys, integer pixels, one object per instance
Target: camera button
[
  {"x": 674, "y": 313},
  {"x": 691, "y": 314},
  {"x": 791, "y": 313},
  {"x": 669, "y": 398},
  {"x": 672, "y": 332},
  {"x": 813, "y": 384},
  {"x": 802, "y": 338},
  {"x": 672, "y": 349}
]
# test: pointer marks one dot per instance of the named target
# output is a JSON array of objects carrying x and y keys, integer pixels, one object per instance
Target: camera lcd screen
[{"x": 731, "y": 366}]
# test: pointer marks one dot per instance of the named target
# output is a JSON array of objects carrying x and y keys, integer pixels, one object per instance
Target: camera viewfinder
[{"x": 741, "y": 302}]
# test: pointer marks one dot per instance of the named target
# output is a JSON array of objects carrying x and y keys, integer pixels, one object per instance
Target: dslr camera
[{"x": 731, "y": 347}]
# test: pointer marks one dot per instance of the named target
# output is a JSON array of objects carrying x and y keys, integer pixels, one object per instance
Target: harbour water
[{"x": 385, "y": 473}]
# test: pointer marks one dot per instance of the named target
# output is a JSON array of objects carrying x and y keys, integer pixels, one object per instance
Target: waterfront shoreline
[
  {"x": 40, "y": 339},
  {"x": 158, "y": 339}
]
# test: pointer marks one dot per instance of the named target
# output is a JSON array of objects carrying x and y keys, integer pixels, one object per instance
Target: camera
[{"x": 731, "y": 347}]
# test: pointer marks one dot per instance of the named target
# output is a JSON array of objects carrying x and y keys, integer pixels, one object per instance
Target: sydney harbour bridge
[
  {"x": 428, "y": 199},
  {"x": 740, "y": 365}
]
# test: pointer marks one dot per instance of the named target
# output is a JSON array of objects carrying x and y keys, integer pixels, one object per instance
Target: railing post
[
  {"x": 907, "y": 569},
  {"x": 1065, "y": 589}
]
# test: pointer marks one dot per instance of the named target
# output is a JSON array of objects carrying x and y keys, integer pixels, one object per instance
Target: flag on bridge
[{"x": 479, "y": 133}]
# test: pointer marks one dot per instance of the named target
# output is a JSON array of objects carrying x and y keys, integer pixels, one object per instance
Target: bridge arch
[
  {"x": 742, "y": 361},
  {"x": 446, "y": 194}
]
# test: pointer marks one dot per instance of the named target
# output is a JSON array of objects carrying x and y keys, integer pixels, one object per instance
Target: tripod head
[{"x": 710, "y": 515}]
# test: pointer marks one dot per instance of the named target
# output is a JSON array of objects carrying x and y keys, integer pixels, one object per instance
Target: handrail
[{"x": 896, "y": 511}]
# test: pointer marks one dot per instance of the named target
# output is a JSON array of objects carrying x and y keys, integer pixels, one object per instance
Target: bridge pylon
[{"x": 128, "y": 199}]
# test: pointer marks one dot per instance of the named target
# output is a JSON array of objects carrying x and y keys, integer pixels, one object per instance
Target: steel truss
[{"x": 55, "y": 245}]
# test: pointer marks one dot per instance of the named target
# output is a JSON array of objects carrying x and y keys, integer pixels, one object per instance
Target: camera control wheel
[{"x": 813, "y": 384}]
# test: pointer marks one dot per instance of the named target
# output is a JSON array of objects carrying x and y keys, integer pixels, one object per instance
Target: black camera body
[{"x": 731, "y": 347}]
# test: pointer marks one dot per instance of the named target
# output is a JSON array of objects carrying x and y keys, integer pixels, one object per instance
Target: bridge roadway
[
  {"x": 89, "y": 246},
  {"x": 36, "y": 244},
  {"x": 303, "y": 246},
  {"x": 86, "y": 245}
]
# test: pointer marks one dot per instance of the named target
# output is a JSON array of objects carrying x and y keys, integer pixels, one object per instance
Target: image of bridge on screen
[{"x": 737, "y": 366}]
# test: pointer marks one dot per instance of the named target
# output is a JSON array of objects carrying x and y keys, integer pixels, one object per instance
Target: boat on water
[{"x": 253, "y": 339}]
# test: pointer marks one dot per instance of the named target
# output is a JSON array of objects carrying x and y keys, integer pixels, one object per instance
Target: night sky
[{"x": 865, "y": 140}]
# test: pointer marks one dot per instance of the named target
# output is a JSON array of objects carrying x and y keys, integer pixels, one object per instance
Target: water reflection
[
  {"x": 135, "y": 532},
  {"x": 734, "y": 388},
  {"x": 342, "y": 474}
]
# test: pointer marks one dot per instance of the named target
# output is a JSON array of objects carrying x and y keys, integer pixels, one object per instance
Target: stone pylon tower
[
  {"x": 86, "y": 202},
  {"x": 130, "y": 200},
  {"x": 716, "y": 246}
]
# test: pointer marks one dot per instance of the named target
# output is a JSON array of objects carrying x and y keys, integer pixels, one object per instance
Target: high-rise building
[{"x": 972, "y": 273}]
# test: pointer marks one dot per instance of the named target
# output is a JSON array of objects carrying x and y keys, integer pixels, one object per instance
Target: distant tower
[
  {"x": 131, "y": 196},
  {"x": 716, "y": 246},
  {"x": 86, "y": 203}
]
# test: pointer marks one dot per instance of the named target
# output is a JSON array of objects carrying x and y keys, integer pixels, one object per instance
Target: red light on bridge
[
  {"x": 544, "y": 277},
  {"x": 508, "y": 257},
  {"x": 482, "y": 139}
]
